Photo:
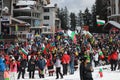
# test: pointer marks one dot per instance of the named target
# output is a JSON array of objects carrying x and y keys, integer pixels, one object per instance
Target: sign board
[{"x": 5, "y": 18}]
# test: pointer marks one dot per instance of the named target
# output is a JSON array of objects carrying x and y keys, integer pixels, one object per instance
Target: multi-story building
[
  {"x": 23, "y": 14},
  {"x": 30, "y": 15},
  {"x": 5, "y": 12},
  {"x": 113, "y": 12},
  {"x": 50, "y": 19},
  {"x": 30, "y": 11}
]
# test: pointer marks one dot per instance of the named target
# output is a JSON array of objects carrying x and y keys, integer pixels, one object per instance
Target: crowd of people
[{"x": 60, "y": 55}]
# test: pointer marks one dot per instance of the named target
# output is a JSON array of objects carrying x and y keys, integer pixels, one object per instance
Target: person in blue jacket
[
  {"x": 2, "y": 68},
  {"x": 41, "y": 65}
]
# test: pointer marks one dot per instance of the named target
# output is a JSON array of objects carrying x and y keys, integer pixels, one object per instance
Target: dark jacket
[
  {"x": 87, "y": 72},
  {"x": 81, "y": 71},
  {"x": 41, "y": 63},
  {"x": 23, "y": 64},
  {"x": 31, "y": 65}
]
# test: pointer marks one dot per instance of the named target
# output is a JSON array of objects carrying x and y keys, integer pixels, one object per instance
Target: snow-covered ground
[{"x": 107, "y": 75}]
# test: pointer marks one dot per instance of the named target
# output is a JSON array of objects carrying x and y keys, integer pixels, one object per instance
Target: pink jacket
[
  {"x": 6, "y": 74},
  {"x": 13, "y": 67}
]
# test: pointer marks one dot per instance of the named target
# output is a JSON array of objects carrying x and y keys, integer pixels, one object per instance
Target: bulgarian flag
[
  {"x": 23, "y": 51},
  {"x": 71, "y": 34},
  {"x": 101, "y": 55},
  {"x": 101, "y": 72},
  {"x": 43, "y": 46},
  {"x": 100, "y": 22}
]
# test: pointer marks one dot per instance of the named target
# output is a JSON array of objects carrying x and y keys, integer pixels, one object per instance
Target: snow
[
  {"x": 20, "y": 3},
  {"x": 25, "y": 8},
  {"x": 107, "y": 75},
  {"x": 49, "y": 5}
]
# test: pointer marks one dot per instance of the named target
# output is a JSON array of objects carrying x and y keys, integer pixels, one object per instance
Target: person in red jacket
[
  {"x": 65, "y": 62},
  {"x": 50, "y": 64},
  {"x": 113, "y": 57}
]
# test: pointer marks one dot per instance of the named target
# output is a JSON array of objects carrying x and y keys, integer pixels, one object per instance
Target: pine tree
[
  {"x": 101, "y": 9},
  {"x": 73, "y": 21},
  {"x": 87, "y": 17},
  {"x": 80, "y": 18},
  {"x": 93, "y": 28},
  {"x": 63, "y": 15}
]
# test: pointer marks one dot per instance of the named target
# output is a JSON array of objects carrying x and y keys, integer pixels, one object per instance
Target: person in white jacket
[
  {"x": 96, "y": 58},
  {"x": 58, "y": 67}
]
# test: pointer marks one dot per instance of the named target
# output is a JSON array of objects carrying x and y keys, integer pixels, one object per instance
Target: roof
[
  {"x": 47, "y": 32},
  {"x": 25, "y": 8},
  {"x": 49, "y": 6},
  {"x": 39, "y": 27},
  {"x": 20, "y": 25},
  {"x": 111, "y": 24},
  {"x": 21, "y": 3},
  {"x": 19, "y": 21}
]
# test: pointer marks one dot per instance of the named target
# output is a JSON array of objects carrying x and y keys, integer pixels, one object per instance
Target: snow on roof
[
  {"x": 49, "y": 5},
  {"x": 25, "y": 8},
  {"x": 21, "y": 3}
]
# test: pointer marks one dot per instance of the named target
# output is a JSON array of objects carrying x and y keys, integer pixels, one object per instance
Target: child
[
  {"x": 100, "y": 73},
  {"x": 7, "y": 74}
]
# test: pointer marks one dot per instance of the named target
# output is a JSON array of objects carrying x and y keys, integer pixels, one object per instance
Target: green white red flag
[
  {"x": 24, "y": 51},
  {"x": 100, "y": 22},
  {"x": 72, "y": 35}
]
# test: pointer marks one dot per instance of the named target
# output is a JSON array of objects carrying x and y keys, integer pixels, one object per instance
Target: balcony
[
  {"x": 27, "y": 17},
  {"x": 22, "y": 9}
]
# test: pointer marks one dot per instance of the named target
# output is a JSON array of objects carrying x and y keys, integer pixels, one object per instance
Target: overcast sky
[{"x": 74, "y": 5}]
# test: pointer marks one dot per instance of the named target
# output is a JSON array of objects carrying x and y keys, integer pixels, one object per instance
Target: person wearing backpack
[{"x": 2, "y": 68}]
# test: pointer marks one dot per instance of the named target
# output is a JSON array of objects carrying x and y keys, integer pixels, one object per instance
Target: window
[
  {"x": 46, "y": 10},
  {"x": 22, "y": 29},
  {"x": 46, "y": 17},
  {"x": 45, "y": 24},
  {"x": 0, "y": 5},
  {"x": 45, "y": 30},
  {"x": 49, "y": 30}
]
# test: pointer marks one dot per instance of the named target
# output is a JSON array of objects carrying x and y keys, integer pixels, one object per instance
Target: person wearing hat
[
  {"x": 86, "y": 70},
  {"x": 65, "y": 61},
  {"x": 31, "y": 67},
  {"x": 58, "y": 67},
  {"x": 13, "y": 69},
  {"x": 81, "y": 68},
  {"x": 41, "y": 63},
  {"x": 22, "y": 67}
]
